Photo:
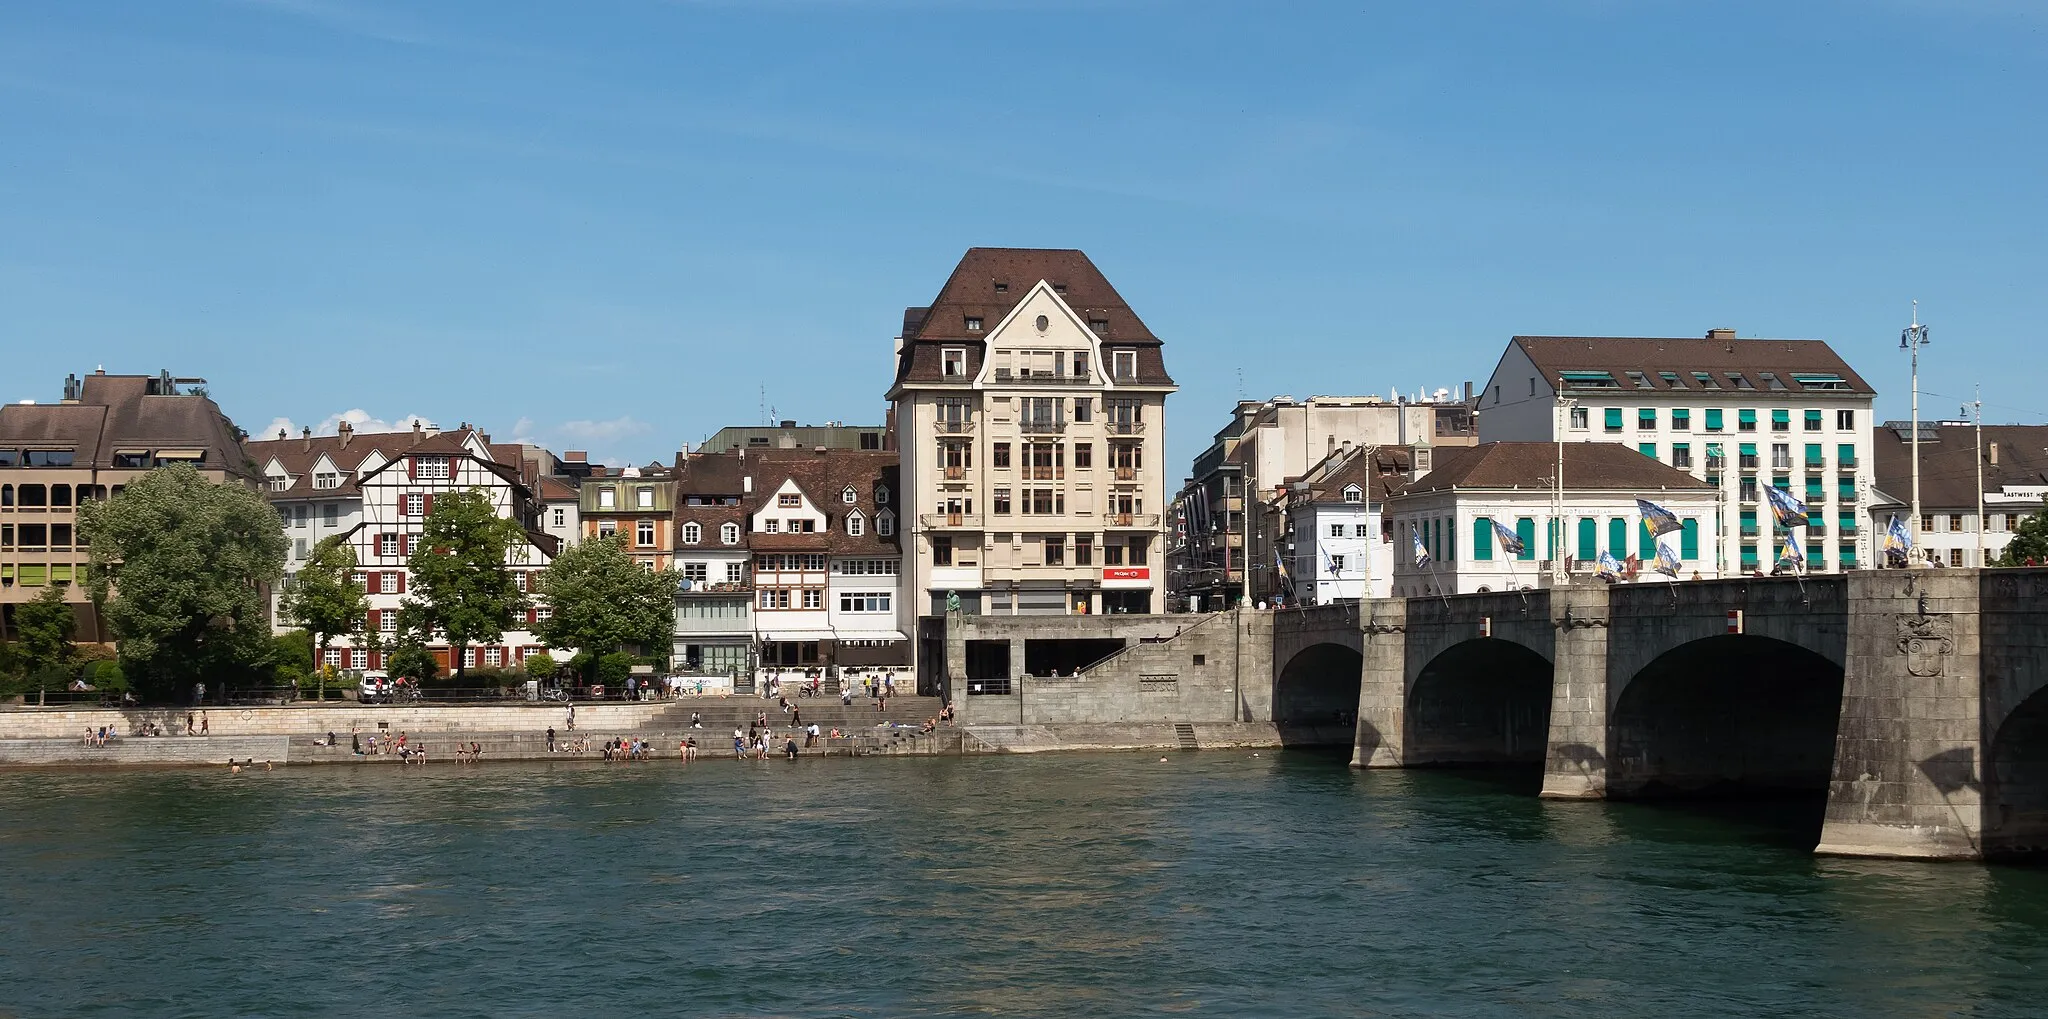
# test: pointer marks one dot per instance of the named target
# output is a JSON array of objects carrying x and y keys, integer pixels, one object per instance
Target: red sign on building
[{"x": 1127, "y": 573}]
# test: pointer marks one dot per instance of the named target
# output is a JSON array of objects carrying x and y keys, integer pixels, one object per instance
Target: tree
[
  {"x": 191, "y": 558},
  {"x": 324, "y": 599},
  {"x": 2029, "y": 540},
  {"x": 43, "y": 630},
  {"x": 461, "y": 583},
  {"x": 600, "y": 600}
]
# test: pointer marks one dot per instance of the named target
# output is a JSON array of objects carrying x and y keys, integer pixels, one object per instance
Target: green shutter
[
  {"x": 1813, "y": 421},
  {"x": 1617, "y": 537},
  {"x": 1648, "y": 449},
  {"x": 1689, "y": 540},
  {"x": 60, "y": 573},
  {"x": 1589, "y": 539},
  {"x": 1681, "y": 419},
  {"x": 1714, "y": 420},
  {"x": 1813, "y": 558},
  {"x": 35, "y": 574},
  {"x": 1482, "y": 539},
  {"x": 1646, "y": 543},
  {"x": 1848, "y": 555},
  {"x": 1748, "y": 556},
  {"x": 1451, "y": 540},
  {"x": 1781, "y": 420},
  {"x": 1525, "y": 529},
  {"x": 1813, "y": 456},
  {"x": 1749, "y": 449},
  {"x": 1813, "y": 490},
  {"x": 1613, "y": 419},
  {"x": 1846, "y": 454}
]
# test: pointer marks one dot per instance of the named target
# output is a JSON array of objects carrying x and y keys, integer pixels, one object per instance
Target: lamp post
[
  {"x": 1977, "y": 407},
  {"x": 1559, "y": 422},
  {"x": 1913, "y": 338}
]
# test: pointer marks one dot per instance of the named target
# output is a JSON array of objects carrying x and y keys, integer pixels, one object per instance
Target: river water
[{"x": 1215, "y": 883}]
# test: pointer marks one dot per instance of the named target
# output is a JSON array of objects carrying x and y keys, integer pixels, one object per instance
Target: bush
[
  {"x": 539, "y": 665},
  {"x": 89, "y": 653},
  {"x": 582, "y": 663},
  {"x": 106, "y": 676},
  {"x": 612, "y": 669},
  {"x": 413, "y": 662}
]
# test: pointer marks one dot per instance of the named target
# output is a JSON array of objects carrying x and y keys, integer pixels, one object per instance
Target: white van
[{"x": 375, "y": 687}]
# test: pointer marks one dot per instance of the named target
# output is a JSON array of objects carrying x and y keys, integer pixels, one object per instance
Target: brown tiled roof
[
  {"x": 118, "y": 412},
  {"x": 1619, "y": 355},
  {"x": 823, "y": 477},
  {"x": 554, "y": 489},
  {"x": 971, "y": 293},
  {"x": 298, "y": 454},
  {"x": 1948, "y": 462},
  {"x": 1607, "y": 466},
  {"x": 1381, "y": 470}
]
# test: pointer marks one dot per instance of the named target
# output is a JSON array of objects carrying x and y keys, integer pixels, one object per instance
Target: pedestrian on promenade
[
  {"x": 845, "y": 696},
  {"x": 551, "y": 739},
  {"x": 572, "y": 718},
  {"x": 189, "y": 730},
  {"x": 203, "y": 728},
  {"x": 789, "y": 746},
  {"x": 696, "y": 720},
  {"x": 355, "y": 740},
  {"x": 796, "y": 717}
]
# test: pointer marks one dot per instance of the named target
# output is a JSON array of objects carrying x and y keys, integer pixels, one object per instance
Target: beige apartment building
[
  {"x": 1030, "y": 406},
  {"x": 54, "y": 457}
]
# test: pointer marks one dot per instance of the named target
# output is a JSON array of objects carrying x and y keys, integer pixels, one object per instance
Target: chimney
[
  {"x": 346, "y": 431},
  {"x": 306, "y": 437},
  {"x": 281, "y": 435},
  {"x": 1992, "y": 449},
  {"x": 72, "y": 389},
  {"x": 1721, "y": 334},
  {"x": 417, "y": 434},
  {"x": 820, "y": 450},
  {"x": 1468, "y": 390}
]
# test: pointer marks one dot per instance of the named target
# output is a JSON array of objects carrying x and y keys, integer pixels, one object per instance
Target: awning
[
  {"x": 798, "y": 635},
  {"x": 870, "y": 635},
  {"x": 833, "y": 635}
]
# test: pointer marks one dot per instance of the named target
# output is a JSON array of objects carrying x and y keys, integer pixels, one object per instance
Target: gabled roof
[
  {"x": 1380, "y": 470},
  {"x": 1948, "y": 462},
  {"x": 119, "y": 412},
  {"x": 1718, "y": 355},
  {"x": 298, "y": 455},
  {"x": 822, "y": 477},
  {"x": 1588, "y": 466},
  {"x": 972, "y": 292}
]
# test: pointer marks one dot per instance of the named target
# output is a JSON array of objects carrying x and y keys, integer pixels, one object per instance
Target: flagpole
[
  {"x": 1978, "y": 404},
  {"x": 1913, "y": 339}
]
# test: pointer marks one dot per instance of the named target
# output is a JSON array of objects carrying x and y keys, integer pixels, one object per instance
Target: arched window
[
  {"x": 856, "y": 525},
  {"x": 885, "y": 523},
  {"x": 849, "y": 496},
  {"x": 729, "y": 533},
  {"x": 692, "y": 533}
]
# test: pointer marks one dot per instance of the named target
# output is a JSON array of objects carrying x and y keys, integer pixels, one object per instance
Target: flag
[
  {"x": 1608, "y": 569},
  {"x": 1421, "y": 553},
  {"x": 1510, "y": 542},
  {"x": 1631, "y": 566},
  {"x": 1667, "y": 560},
  {"x": 1898, "y": 544},
  {"x": 1787, "y": 509},
  {"x": 1789, "y": 553},
  {"x": 1329, "y": 561},
  {"x": 1656, "y": 519},
  {"x": 1286, "y": 577}
]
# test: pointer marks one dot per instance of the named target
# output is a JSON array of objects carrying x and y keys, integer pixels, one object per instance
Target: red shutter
[
  {"x": 412, "y": 467},
  {"x": 376, "y": 617},
  {"x": 532, "y": 616},
  {"x": 429, "y": 504},
  {"x": 405, "y": 544},
  {"x": 401, "y": 582}
]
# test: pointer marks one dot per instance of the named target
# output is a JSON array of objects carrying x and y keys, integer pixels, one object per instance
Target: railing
[
  {"x": 1749, "y": 463},
  {"x": 1126, "y": 474},
  {"x": 955, "y": 427},
  {"x": 997, "y": 687},
  {"x": 1750, "y": 530},
  {"x": 1040, "y": 426},
  {"x": 1044, "y": 473},
  {"x": 1147, "y": 520},
  {"x": 1125, "y": 427},
  {"x": 1846, "y": 530},
  {"x": 1846, "y": 496},
  {"x": 720, "y": 587},
  {"x": 955, "y": 473},
  {"x": 940, "y": 521}
]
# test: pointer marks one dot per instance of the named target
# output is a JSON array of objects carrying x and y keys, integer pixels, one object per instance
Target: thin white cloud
[
  {"x": 357, "y": 418},
  {"x": 603, "y": 431}
]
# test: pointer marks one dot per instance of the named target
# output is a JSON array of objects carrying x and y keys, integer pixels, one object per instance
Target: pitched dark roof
[
  {"x": 1719, "y": 355},
  {"x": 1379, "y": 470},
  {"x": 1948, "y": 462},
  {"x": 116, "y": 412},
  {"x": 298, "y": 455},
  {"x": 822, "y": 477},
  {"x": 971, "y": 292},
  {"x": 1604, "y": 466}
]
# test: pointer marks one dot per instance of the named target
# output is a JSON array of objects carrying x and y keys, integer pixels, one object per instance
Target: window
[
  {"x": 1845, "y": 421},
  {"x": 1813, "y": 421},
  {"x": 1354, "y": 494},
  {"x": 1525, "y": 529},
  {"x": 771, "y": 526},
  {"x": 1581, "y": 418},
  {"x": 1955, "y": 523},
  {"x": 543, "y": 613},
  {"x": 788, "y": 501},
  {"x": 1689, "y": 539},
  {"x": 735, "y": 572},
  {"x": 1125, "y": 364},
  {"x": 1739, "y": 380},
  {"x": 1646, "y": 420},
  {"x": 643, "y": 498},
  {"x": 1771, "y": 381},
  {"x": 1955, "y": 557},
  {"x": 327, "y": 479},
  {"x": 330, "y": 514},
  {"x": 1714, "y": 420},
  {"x": 494, "y": 656},
  {"x": 1336, "y": 564},
  {"x": 607, "y": 528},
  {"x": 412, "y": 504},
  {"x": 430, "y": 468},
  {"x": 1995, "y": 522},
  {"x": 298, "y": 546},
  {"x": 1681, "y": 455},
  {"x": 1084, "y": 550},
  {"x": 942, "y": 551},
  {"x": 1583, "y": 380},
  {"x": 973, "y": 323},
  {"x": 1055, "y": 549},
  {"x": 387, "y": 621},
  {"x": 1781, "y": 421},
  {"x": 729, "y": 533},
  {"x": 813, "y": 598},
  {"x": 1648, "y": 449},
  {"x": 692, "y": 533},
  {"x": 1781, "y": 456},
  {"x": 643, "y": 533},
  {"x": 953, "y": 362},
  {"x": 1747, "y": 490},
  {"x": 1001, "y": 498},
  {"x": 1706, "y": 380},
  {"x": 1140, "y": 547},
  {"x": 387, "y": 545},
  {"x": 561, "y": 517},
  {"x": 774, "y": 598},
  {"x": 1082, "y": 407},
  {"x": 1845, "y": 454},
  {"x": 885, "y": 523},
  {"x": 864, "y": 601},
  {"x": 999, "y": 454},
  {"x": 856, "y": 525},
  {"x": 696, "y": 573},
  {"x": 1084, "y": 456},
  {"x": 849, "y": 496},
  {"x": 1611, "y": 419},
  {"x": 1745, "y": 420},
  {"x": 1672, "y": 380},
  {"x": 358, "y": 658},
  {"x": 1681, "y": 419},
  {"x": 1336, "y": 530},
  {"x": 607, "y": 498}
]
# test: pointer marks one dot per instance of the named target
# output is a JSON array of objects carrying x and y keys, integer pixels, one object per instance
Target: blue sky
[{"x": 610, "y": 224}]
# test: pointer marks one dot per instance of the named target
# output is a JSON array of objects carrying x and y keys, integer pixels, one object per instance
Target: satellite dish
[{"x": 686, "y": 583}]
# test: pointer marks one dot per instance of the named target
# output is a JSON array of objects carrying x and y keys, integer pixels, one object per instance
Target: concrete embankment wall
[
  {"x": 209, "y": 750},
  {"x": 1214, "y": 668},
  {"x": 341, "y": 718},
  {"x": 1030, "y": 739}
]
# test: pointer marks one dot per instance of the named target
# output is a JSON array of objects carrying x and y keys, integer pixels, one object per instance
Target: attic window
[
  {"x": 1740, "y": 380},
  {"x": 1672, "y": 380},
  {"x": 954, "y": 360},
  {"x": 1706, "y": 380},
  {"x": 1771, "y": 381},
  {"x": 1002, "y": 288},
  {"x": 1589, "y": 380},
  {"x": 1059, "y": 288},
  {"x": 1640, "y": 380},
  {"x": 1100, "y": 325},
  {"x": 974, "y": 323},
  {"x": 1352, "y": 493},
  {"x": 849, "y": 495},
  {"x": 1820, "y": 381}
]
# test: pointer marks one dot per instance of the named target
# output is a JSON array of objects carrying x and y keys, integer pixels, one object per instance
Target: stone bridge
[{"x": 1913, "y": 699}]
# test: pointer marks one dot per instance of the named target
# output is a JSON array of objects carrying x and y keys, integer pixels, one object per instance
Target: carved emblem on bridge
[{"x": 1926, "y": 641}]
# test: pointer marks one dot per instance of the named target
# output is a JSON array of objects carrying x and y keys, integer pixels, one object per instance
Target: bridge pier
[
  {"x": 1906, "y": 780},
  {"x": 1576, "y": 753},
  {"x": 1383, "y": 687}
]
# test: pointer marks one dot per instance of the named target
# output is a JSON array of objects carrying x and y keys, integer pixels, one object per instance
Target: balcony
[
  {"x": 950, "y": 521},
  {"x": 1145, "y": 521},
  {"x": 699, "y": 588},
  {"x": 1846, "y": 530},
  {"x": 1749, "y": 530},
  {"x": 1846, "y": 497},
  {"x": 1042, "y": 473},
  {"x": 954, "y": 427},
  {"x": 1040, "y": 426},
  {"x": 1749, "y": 463},
  {"x": 1031, "y": 378},
  {"x": 955, "y": 473},
  {"x": 1124, "y": 427},
  {"x": 1126, "y": 474}
]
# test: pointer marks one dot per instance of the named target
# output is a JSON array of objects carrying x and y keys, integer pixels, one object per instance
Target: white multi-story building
[
  {"x": 1453, "y": 510},
  {"x": 2012, "y": 461},
  {"x": 1737, "y": 414},
  {"x": 1338, "y": 540},
  {"x": 1031, "y": 405},
  {"x": 312, "y": 481}
]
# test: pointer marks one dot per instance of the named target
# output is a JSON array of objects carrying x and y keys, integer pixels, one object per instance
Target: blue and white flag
[
  {"x": 1789, "y": 553},
  {"x": 1510, "y": 542},
  {"x": 1898, "y": 544},
  {"x": 1421, "y": 553},
  {"x": 1657, "y": 520},
  {"x": 1609, "y": 568},
  {"x": 1667, "y": 560},
  {"x": 1786, "y": 508}
]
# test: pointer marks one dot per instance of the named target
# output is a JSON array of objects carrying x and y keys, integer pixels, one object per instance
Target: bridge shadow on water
[{"x": 1789, "y": 820}]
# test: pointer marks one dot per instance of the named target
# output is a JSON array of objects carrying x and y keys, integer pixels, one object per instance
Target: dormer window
[
  {"x": 692, "y": 533},
  {"x": 1125, "y": 363},
  {"x": 1100, "y": 325},
  {"x": 1059, "y": 288},
  {"x": 327, "y": 479},
  {"x": 849, "y": 496},
  {"x": 855, "y": 524},
  {"x": 881, "y": 495},
  {"x": 1002, "y": 288},
  {"x": 953, "y": 361},
  {"x": 974, "y": 323},
  {"x": 1352, "y": 493},
  {"x": 885, "y": 523},
  {"x": 729, "y": 533}
]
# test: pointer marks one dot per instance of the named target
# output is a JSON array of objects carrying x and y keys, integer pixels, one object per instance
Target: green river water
[{"x": 1215, "y": 883}]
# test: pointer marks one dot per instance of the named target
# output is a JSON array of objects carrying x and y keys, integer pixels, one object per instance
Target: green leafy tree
[
  {"x": 413, "y": 661},
  {"x": 291, "y": 657},
  {"x": 180, "y": 564},
  {"x": 43, "y": 630},
  {"x": 614, "y": 668},
  {"x": 461, "y": 583},
  {"x": 2029, "y": 540},
  {"x": 324, "y": 599},
  {"x": 601, "y": 600},
  {"x": 539, "y": 665}
]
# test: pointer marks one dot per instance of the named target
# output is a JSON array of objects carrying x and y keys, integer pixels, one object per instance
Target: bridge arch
[
  {"x": 2016, "y": 782},
  {"x": 1317, "y": 691},
  {"x": 1726, "y": 713},
  {"x": 1480, "y": 701}
]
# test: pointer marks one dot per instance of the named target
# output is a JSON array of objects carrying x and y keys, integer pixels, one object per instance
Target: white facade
[
  {"x": 1456, "y": 527},
  {"x": 1816, "y": 443},
  {"x": 1337, "y": 546}
]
